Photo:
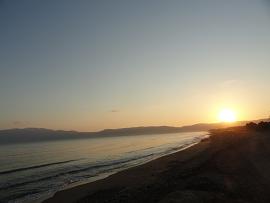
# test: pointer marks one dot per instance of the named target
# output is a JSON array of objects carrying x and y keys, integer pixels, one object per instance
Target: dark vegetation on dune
[{"x": 261, "y": 126}]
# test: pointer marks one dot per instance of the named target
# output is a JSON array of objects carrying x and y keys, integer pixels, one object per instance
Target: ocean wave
[
  {"x": 110, "y": 164},
  {"x": 36, "y": 166}
]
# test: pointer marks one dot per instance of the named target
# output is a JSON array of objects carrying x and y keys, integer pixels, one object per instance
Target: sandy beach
[{"x": 231, "y": 166}]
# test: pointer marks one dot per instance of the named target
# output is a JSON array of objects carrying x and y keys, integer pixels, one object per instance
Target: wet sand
[{"x": 233, "y": 165}]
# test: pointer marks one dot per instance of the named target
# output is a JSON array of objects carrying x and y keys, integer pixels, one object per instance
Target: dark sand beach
[{"x": 233, "y": 165}]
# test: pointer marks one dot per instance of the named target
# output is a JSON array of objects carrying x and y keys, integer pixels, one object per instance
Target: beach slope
[{"x": 233, "y": 165}]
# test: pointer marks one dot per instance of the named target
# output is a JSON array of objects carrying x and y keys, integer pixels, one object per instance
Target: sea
[{"x": 32, "y": 172}]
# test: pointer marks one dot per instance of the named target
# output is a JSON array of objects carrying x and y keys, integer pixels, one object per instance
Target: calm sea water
[{"x": 33, "y": 171}]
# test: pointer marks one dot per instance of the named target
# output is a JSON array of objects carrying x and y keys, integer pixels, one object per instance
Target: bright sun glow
[{"x": 227, "y": 115}]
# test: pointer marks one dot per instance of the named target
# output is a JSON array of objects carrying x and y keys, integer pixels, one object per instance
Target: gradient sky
[{"x": 89, "y": 65}]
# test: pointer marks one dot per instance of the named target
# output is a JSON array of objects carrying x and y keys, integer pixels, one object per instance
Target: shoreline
[
  {"x": 232, "y": 165},
  {"x": 170, "y": 144},
  {"x": 105, "y": 176},
  {"x": 78, "y": 186}
]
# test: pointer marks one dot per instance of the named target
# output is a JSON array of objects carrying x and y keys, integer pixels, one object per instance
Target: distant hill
[
  {"x": 40, "y": 134},
  {"x": 36, "y": 135}
]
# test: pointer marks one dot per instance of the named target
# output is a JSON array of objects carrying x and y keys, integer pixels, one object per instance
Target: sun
[{"x": 227, "y": 115}]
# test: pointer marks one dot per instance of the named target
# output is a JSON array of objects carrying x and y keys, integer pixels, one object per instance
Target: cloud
[
  {"x": 16, "y": 123},
  {"x": 114, "y": 111},
  {"x": 19, "y": 123},
  {"x": 231, "y": 84}
]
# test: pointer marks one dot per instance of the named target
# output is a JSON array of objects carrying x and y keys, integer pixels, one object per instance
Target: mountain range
[{"x": 40, "y": 134}]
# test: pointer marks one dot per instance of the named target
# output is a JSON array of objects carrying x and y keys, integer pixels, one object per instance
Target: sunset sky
[{"x": 89, "y": 65}]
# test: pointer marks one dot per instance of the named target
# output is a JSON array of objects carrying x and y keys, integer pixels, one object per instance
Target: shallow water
[{"x": 33, "y": 170}]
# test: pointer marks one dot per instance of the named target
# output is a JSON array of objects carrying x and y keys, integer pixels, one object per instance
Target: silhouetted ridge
[{"x": 40, "y": 134}]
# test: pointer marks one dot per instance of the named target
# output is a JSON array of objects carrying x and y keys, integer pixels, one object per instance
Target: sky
[{"x": 89, "y": 65}]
